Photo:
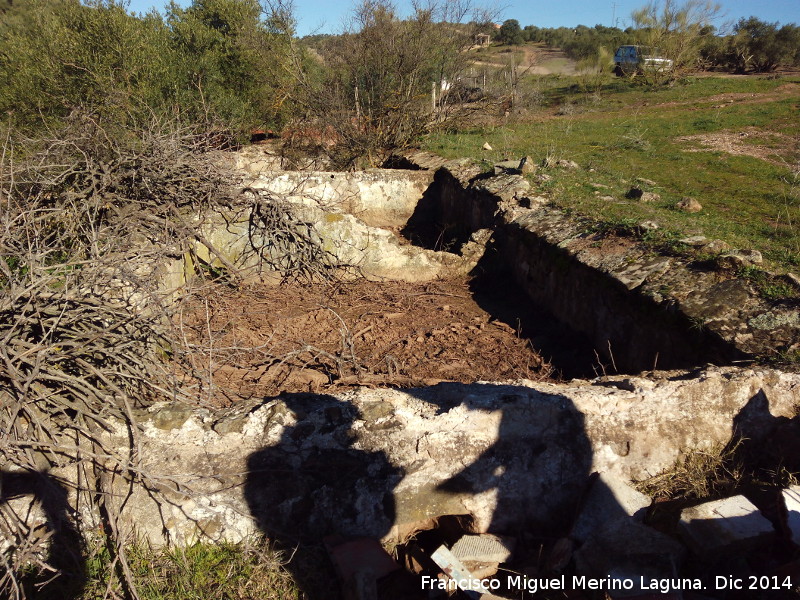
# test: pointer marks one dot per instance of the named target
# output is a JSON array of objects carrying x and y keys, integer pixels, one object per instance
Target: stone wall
[
  {"x": 383, "y": 462},
  {"x": 378, "y": 197},
  {"x": 351, "y": 215}
]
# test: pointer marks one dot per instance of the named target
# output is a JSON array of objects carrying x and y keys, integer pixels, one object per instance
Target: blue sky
[{"x": 327, "y": 16}]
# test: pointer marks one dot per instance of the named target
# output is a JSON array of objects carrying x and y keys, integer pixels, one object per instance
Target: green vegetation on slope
[{"x": 627, "y": 133}]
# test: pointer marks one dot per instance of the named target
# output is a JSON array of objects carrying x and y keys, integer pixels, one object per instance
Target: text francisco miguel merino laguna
[{"x": 533, "y": 585}]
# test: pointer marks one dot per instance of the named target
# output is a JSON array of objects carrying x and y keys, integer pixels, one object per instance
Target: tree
[
  {"x": 594, "y": 70},
  {"x": 675, "y": 32},
  {"x": 227, "y": 55},
  {"x": 761, "y": 46},
  {"x": 209, "y": 63},
  {"x": 511, "y": 33},
  {"x": 94, "y": 55}
]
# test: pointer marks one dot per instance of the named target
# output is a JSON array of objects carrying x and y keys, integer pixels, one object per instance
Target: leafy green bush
[
  {"x": 761, "y": 46},
  {"x": 213, "y": 63}
]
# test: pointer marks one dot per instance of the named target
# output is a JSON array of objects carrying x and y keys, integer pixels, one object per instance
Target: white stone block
[
  {"x": 792, "y": 499},
  {"x": 724, "y": 526}
]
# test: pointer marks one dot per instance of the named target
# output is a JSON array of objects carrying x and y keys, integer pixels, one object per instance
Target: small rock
[
  {"x": 715, "y": 247},
  {"x": 607, "y": 198},
  {"x": 695, "y": 240},
  {"x": 486, "y": 146},
  {"x": 740, "y": 258},
  {"x": 649, "y": 225},
  {"x": 689, "y": 205},
  {"x": 171, "y": 417},
  {"x": 649, "y": 182},
  {"x": 506, "y": 166},
  {"x": 567, "y": 164},
  {"x": 792, "y": 278},
  {"x": 724, "y": 526},
  {"x": 598, "y": 186},
  {"x": 650, "y": 197},
  {"x": 543, "y": 177},
  {"x": 526, "y": 165}
]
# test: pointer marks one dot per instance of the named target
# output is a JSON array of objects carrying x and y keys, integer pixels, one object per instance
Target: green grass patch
[
  {"x": 768, "y": 287},
  {"x": 633, "y": 132},
  {"x": 200, "y": 572}
]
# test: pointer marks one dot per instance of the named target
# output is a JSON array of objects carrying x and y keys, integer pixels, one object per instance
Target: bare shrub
[
  {"x": 286, "y": 243},
  {"x": 386, "y": 80},
  {"x": 87, "y": 215}
]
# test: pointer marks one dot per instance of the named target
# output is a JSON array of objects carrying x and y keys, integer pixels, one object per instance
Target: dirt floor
[{"x": 265, "y": 339}]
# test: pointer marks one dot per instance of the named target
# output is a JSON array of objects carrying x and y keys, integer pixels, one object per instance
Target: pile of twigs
[{"x": 86, "y": 215}]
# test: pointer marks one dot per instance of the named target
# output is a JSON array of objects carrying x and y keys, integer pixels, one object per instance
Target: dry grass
[{"x": 699, "y": 474}]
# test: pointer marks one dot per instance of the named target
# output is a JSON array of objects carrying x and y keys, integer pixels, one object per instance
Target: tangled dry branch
[
  {"x": 86, "y": 215},
  {"x": 89, "y": 216},
  {"x": 286, "y": 243}
]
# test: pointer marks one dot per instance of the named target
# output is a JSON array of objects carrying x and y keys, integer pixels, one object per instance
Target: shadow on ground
[{"x": 61, "y": 574}]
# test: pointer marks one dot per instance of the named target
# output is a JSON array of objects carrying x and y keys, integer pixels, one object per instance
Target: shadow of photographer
[{"x": 62, "y": 572}]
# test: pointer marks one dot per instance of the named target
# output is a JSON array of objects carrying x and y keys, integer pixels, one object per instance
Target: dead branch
[{"x": 87, "y": 216}]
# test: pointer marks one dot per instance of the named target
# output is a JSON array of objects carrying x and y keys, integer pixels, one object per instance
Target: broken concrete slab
[
  {"x": 625, "y": 549},
  {"x": 458, "y": 573},
  {"x": 791, "y": 498},
  {"x": 724, "y": 526},
  {"x": 610, "y": 497},
  {"x": 484, "y": 548},
  {"x": 379, "y": 462}
]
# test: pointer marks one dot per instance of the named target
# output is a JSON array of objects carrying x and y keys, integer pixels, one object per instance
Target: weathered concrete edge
[{"x": 535, "y": 442}]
